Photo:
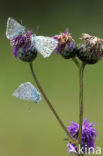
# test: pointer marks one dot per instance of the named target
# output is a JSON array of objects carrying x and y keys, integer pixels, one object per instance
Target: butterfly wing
[
  {"x": 27, "y": 91},
  {"x": 44, "y": 45},
  {"x": 14, "y": 29}
]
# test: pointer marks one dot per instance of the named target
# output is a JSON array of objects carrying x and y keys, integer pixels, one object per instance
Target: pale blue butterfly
[
  {"x": 26, "y": 91},
  {"x": 44, "y": 45},
  {"x": 14, "y": 29}
]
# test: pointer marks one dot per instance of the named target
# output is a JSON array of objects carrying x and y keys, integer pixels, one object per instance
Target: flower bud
[
  {"x": 91, "y": 51},
  {"x": 66, "y": 45},
  {"x": 27, "y": 55}
]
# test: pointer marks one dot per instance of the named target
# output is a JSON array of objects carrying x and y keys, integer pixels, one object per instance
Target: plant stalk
[
  {"x": 76, "y": 62},
  {"x": 81, "y": 73},
  {"x": 49, "y": 104}
]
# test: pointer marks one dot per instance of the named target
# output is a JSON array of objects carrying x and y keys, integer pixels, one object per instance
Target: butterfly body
[{"x": 36, "y": 95}]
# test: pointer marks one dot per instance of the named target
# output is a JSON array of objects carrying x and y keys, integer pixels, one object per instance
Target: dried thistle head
[{"x": 91, "y": 51}]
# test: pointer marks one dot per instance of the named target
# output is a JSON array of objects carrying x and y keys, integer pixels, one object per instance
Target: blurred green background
[{"x": 27, "y": 129}]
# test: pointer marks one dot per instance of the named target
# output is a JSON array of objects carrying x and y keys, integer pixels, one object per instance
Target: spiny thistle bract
[{"x": 91, "y": 51}]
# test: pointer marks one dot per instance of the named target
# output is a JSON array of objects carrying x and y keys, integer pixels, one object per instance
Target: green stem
[
  {"x": 76, "y": 62},
  {"x": 49, "y": 104},
  {"x": 81, "y": 103}
]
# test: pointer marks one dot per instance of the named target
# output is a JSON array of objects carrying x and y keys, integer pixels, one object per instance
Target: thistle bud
[
  {"x": 22, "y": 47},
  {"x": 66, "y": 45},
  {"x": 91, "y": 51}
]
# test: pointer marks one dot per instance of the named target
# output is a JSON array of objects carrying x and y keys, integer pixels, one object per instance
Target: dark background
[{"x": 27, "y": 129}]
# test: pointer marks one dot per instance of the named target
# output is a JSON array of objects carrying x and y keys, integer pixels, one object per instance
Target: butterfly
[
  {"x": 14, "y": 29},
  {"x": 44, "y": 45},
  {"x": 26, "y": 91}
]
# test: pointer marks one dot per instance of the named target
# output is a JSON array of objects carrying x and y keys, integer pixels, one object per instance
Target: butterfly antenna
[
  {"x": 37, "y": 30},
  {"x": 21, "y": 21}
]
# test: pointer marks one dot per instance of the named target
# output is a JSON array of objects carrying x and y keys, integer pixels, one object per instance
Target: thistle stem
[
  {"x": 76, "y": 62},
  {"x": 49, "y": 103},
  {"x": 81, "y": 103}
]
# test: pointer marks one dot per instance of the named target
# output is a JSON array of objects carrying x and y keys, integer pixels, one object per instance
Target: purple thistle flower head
[
  {"x": 88, "y": 135},
  {"x": 71, "y": 148},
  {"x": 22, "y": 47},
  {"x": 66, "y": 45}
]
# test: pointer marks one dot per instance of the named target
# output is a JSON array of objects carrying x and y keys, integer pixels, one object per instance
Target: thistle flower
[
  {"x": 91, "y": 51},
  {"x": 22, "y": 47},
  {"x": 66, "y": 45},
  {"x": 88, "y": 136},
  {"x": 71, "y": 148}
]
